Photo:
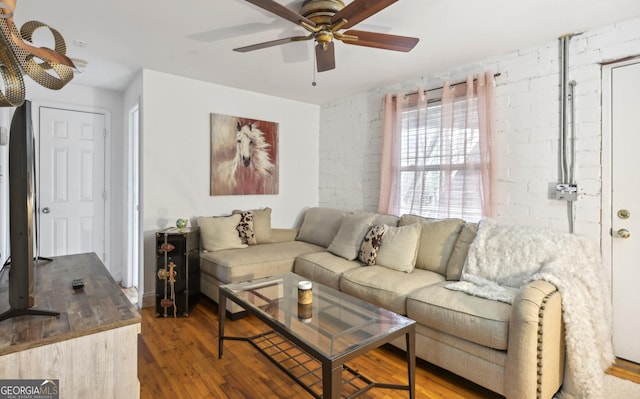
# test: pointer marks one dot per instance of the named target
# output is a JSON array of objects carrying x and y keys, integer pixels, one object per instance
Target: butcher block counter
[{"x": 91, "y": 348}]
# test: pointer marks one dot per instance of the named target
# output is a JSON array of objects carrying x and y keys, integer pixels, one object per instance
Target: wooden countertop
[{"x": 99, "y": 306}]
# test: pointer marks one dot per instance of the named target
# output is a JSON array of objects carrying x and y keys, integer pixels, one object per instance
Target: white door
[
  {"x": 71, "y": 182},
  {"x": 625, "y": 208}
]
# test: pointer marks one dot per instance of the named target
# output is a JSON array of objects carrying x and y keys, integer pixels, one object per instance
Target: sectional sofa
[{"x": 516, "y": 350}]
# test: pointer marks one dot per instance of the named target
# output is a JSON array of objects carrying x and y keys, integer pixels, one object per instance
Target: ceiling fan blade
[
  {"x": 380, "y": 40},
  {"x": 281, "y": 11},
  {"x": 325, "y": 57},
  {"x": 359, "y": 10},
  {"x": 272, "y": 43}
]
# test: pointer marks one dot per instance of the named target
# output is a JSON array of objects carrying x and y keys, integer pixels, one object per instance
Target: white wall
[
  {"x": 81, "y": 97},
  {"x": 526, "y": 145},
  {"x": 175, "y": 151},
  {"x": 5, "y": 122}
]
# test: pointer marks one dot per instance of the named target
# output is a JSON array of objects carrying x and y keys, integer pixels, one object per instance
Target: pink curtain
[
  {"x": 458, "y": 144},
  {"x": 390, "y": 178},
  {"x": 486, "y": 92},
  {"x": 389, "y": 165}
]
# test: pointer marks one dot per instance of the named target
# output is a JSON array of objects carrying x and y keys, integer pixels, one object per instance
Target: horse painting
[{"x": 243, "y": 156}]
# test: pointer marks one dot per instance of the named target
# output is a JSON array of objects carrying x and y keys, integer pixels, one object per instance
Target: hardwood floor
[
  {"x": 626, "y": 369},
  {"x": 178, "y": 358}
]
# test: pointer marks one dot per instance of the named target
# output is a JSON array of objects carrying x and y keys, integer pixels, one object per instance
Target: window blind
[{"x": 440, "y": 160}]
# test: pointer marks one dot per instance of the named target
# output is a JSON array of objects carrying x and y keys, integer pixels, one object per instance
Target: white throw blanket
[{"x": 503, "y": 258}]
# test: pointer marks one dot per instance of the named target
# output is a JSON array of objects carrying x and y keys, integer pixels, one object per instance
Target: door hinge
[{"x": 104, "y": 132}]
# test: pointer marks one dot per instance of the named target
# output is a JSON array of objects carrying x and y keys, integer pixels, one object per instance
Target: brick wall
[{"x": 526, "y": 144}]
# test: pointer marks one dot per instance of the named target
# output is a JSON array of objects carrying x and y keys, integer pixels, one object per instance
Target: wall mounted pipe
[{"x": 566, "y": 153}]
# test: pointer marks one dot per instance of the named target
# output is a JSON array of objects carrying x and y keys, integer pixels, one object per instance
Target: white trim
[
  {"x": 133, "y": 250},
  {"x": 605, "y": 198}
]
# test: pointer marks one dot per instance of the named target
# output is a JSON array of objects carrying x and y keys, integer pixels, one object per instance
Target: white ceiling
[{"x": 195, "y": 38}]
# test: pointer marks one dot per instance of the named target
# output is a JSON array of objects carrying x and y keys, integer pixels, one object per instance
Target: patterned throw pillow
[
  {"x": 371, "y": 243},
  {"x": 245, "y": 228}
]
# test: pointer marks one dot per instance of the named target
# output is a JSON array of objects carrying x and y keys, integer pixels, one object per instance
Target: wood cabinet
[
  {"x": 177, "y": 271},
  {"x": 91, "y": 349}
]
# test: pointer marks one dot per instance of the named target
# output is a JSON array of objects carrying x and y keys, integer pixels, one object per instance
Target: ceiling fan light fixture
[
  {"x": 324, "y": 36},
  {"x": 324, "y": 19}
]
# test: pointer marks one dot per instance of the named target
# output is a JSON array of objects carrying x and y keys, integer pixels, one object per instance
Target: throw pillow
[
  {"x": 217, "y": 233},
  {"x": 399, "y": 248},
  {"x": 380, "y": 218},
  {"x": 245, "y": 228},
  {"x": 261, "y": 224},
  {"x": 320, "y": 225},
  {"x": 437, "y": 240},
  {"x": 349, "y": 237},
  {"x": 371, "y": 244},
  {"x": 460, "y": 251}
]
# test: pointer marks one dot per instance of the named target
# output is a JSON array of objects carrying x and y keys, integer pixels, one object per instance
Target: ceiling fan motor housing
[{"x": 321, "y": 11}]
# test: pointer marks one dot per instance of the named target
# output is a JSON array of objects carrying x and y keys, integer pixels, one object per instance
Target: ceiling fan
[{"x": 324, "y": 19}]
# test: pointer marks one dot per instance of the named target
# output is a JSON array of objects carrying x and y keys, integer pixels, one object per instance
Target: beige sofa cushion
[
  {"x": 381, "y": 218},
  {"x": 218, "y": 233},
  {"x": 320, "y": 225},
  {"x": 255, "y": 261},
  {"x": 389, "y": 220},
  {"x": 460, "y": 251},
  {"x": 261, "y": 224},
  {"x": 482, "y": 321},
  {"x": 348, "y": 239},
  {"x": 323, "y": 267},
  {"x": 399, "y": 247},
  {"x": 437, "y": 241},
  {"x": 385, "y": 287}
]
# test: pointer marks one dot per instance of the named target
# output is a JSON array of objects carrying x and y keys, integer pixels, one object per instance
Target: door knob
[
  {"x": 623, "y": 233},
  {"x": 46, "y": 210}
]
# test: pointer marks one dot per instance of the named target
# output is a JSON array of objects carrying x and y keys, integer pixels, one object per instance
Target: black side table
[{"x": 177, "y": 271}]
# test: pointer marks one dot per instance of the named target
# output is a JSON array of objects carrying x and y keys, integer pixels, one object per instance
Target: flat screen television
[{"x": 21, "y": 217}]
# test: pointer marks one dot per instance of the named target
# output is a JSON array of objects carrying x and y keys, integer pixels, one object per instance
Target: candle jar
[
  {"x": 305, "y": 294},
  {"x": 305, "y": 311},
  {"x": 305, "y": 299}
]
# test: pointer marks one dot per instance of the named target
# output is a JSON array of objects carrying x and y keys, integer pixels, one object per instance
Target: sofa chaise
[{"x": 516, "y": 350}]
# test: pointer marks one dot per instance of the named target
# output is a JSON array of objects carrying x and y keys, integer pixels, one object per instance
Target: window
[
  {"x": 436, "y": 153},
  {"x": 440, "y": 160}
]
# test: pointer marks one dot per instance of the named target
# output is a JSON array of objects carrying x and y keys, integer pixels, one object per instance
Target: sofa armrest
[
  {"x": 535, "y": 356},
  {"x": 281, "y": 235}
]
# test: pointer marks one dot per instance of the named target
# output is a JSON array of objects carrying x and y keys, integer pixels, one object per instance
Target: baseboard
[{"x": 149, "y": 300}]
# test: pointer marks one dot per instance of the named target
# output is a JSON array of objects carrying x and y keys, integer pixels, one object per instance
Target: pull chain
[{"x": 314, "y": 67}]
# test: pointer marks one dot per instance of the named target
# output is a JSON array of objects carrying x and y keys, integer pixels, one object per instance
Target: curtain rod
[{"x": 495, "y": 75}]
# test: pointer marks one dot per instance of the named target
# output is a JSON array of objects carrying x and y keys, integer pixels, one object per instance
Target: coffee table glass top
[{"x": 333, "y": 324}]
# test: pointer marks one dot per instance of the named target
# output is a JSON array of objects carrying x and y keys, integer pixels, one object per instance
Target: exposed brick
[{"x": 526, "y": 144}]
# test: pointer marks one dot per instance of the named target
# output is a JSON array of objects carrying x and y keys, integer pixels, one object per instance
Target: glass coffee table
[{"x": 312, "y": 343}]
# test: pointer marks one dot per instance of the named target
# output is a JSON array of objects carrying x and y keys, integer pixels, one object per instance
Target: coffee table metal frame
[{"x": 333, "y": 364}]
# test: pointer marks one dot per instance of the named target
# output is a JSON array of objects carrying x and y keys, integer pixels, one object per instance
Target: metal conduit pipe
[
  {"x": 567, "y": 91},
  {"x": 571, "y": 171},
  {"x": 564, "y": 68}
]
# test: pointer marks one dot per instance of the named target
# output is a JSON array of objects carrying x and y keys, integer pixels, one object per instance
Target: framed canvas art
[{"x": 244, "y": 156}]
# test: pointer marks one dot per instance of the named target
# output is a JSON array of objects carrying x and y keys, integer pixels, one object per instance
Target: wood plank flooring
[{"x": 178, "y": 358}]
